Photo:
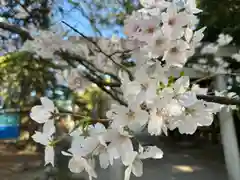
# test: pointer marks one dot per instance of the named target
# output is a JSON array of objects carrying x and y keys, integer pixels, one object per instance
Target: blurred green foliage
[{"x": 21, "y": 74}]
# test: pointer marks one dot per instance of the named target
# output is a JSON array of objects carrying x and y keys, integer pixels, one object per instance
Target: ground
[{"x": 179, "y": 163}]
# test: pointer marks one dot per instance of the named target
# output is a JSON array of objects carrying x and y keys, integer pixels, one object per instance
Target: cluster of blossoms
[{"x": 155, "y": 101}]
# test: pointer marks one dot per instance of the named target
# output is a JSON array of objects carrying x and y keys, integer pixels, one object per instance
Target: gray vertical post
[{"x": 228, "y": 136}]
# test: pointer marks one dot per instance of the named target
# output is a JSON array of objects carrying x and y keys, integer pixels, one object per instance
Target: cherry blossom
[
  {"x": 159, "y": 43},
  {"x": 46, "y": 138},
  {"x": 132, "y": 116},
  {"x": 177, "y": 54},
  {"x": 77, "y": 164},
  {"x": 191, "y": 7},
  {"x": 173, "y": 22},
  {"x": 133, "y": 160},
  {"x": 154, "y": 3},
  {"x": 43, "y": 113},
  {"x": 120, "y": 140}
]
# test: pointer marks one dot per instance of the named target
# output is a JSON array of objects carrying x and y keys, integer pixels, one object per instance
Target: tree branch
[
  {"x": 219, "y": 99},
  {"x": 100, "y": 50},
  {"x": 90, "y": 76},
  {"x": 94, "y": 70},
  {"x": 16, "y": 29},
  {"x": 26, "y": 35}
]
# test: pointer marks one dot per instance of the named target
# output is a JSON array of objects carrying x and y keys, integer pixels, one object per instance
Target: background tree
[{"x": 220, "y": 16}]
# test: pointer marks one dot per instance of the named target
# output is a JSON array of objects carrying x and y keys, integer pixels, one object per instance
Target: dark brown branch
[
  {"x": 90, "y": 76},
  {"x": 86, "y": 63},
  {"x": 94, "y": 70},
  {"x": 16, "y": 29},
  {"x": 109, "y": 92},
  {"x": 219, "y": 100}
]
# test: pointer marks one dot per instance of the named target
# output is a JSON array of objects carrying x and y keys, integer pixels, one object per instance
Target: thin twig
[{"x": 204, "y": 78}]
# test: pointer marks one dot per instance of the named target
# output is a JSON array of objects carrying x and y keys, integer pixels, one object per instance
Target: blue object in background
[{"x": 9, "y": 126}]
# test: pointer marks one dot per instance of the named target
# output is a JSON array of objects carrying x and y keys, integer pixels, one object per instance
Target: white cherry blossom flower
[
  {"x": 159, "y": 116},
  {"x": 154, "y": 3},
  {"x": 157, "y": 122},
  {"x": 187, "y": 99},
  {"x": 195, "y": 41},
  {"x": 97, "y": 144},
  {"x": 198, "y": 35},
  {"x": 133, "y": 27},
  {"x": 191, "y": 7},
  {"x": 148, "y": 28},
  {"x": 188, "y": 34},
  {"x": 150, "y": 152},
  {"x": 97, "y": 129},
  {"x": 143, "y": 88},
  {"x": 77, "y": 139},
  {"x": 177, "y": 54},
  {"x": 159, "y": 72},
  {"x": 181, "y": 85},
  {"x": 133, "y": 160},
  {"x": 195, "y": 115},
  {"x": 79, "y": 162},
  {"x": 46, "y": 138},
  {"x": 149, "y": 12},
  {"x": 43, "y": 113},
  {"x": 173, "y": 22},
  {"x": 106, "y": 154},
  {"x": 120, "y": 140},
  {"x": 159, "y": 43},
  {"x": 132, "y": 116}
]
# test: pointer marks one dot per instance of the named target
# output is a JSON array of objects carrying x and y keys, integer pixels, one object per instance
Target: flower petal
[
  {"x": 129, "y": 157},
  {"x": 41, "y": 138},
  {"x": 151, "y": 152},
  {"x": 137, "y": 168},
  {"x": 49, "y": 155},
  {"x": 127, "y": 173},
  {"x": 47, "y": 103},
  {"x": 75, "y": 165},
  {"x": 49, "y": 128},
  {"x": 38, "y": 114}
]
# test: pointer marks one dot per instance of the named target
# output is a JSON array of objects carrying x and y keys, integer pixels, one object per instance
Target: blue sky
[{"x": 75, "y": 18}]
